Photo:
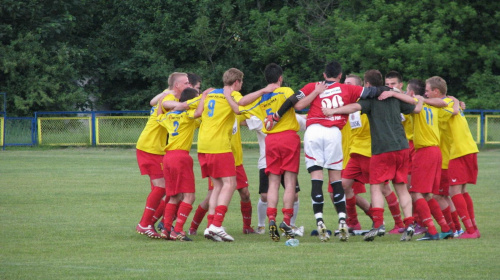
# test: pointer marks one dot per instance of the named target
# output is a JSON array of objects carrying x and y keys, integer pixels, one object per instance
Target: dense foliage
[{"x": 117, "y": 54}]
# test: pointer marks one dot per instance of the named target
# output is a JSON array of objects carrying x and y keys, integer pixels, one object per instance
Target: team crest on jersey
[
  {"x": 355, "y": 120},
  {"x": 330, "y": 92}
]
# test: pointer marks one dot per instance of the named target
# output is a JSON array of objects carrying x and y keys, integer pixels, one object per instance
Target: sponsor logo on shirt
[{"x": 330, "y": 92}]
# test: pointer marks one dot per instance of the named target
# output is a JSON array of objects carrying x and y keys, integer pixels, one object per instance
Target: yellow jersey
[
  {"x": 426, "y": 127},
  {"x": 361, "y": 139},
  {"x": 270, "y": 103},
  {"x": 180, "y": 126},
  {"x": 236, "y": 140}
]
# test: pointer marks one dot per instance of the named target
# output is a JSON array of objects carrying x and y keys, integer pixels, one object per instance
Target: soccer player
[
  {"x": 323, "y": 139},
  {"x": 389, "y": 159},
  {"x": 462, "y": 168},
  {"x": 356, "y": 139},
  {"x": 150, "y": 150},
  {"x": 178, "y": 166},
  {"x": 426, "y": 177},
  {"x": 282, "y": 149},
  {"x": 256, "y": 124}
]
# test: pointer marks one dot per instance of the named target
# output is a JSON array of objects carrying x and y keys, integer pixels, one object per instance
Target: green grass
[{"x": 71, "y": 214}]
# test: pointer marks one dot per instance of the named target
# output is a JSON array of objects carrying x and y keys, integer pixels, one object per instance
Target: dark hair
[
  {"x": 374, "y": 77},
  {"x": 394, "y": 74},
  {"x": 418, "y": 86},
  {"x": 188, "y": 93},
  {"x": 193, "y": 78},
  {"x": 333, "y": 69},
  {"x": 273, "y": 72}
]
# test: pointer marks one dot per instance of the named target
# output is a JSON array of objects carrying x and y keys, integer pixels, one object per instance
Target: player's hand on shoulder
[
  {"x": 386, "y": 94},
  {"x": 320, "y": 87},
  {"x": 270, "y": 88}
]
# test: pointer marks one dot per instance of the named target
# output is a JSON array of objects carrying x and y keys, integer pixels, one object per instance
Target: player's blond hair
[
  {"x": 359, "y": 81},
  {"x": 437, "y": 82},
  {"x": 174, "y": 77},
  {"x": 232, "y": 75}
]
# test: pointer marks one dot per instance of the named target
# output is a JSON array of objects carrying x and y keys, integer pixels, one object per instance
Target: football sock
[
  {"x": 393, "y": 203},
  {"x": 425, "y": 215},
  {"x": 463, "y": 213},
  {"x": 246, "y": 213},
  {"x": 448, "y": 218},
  {"x": 296, "y": 205},
  {"x": 261, "y": 213},
  {"x": 198, "y": 217},
  {"x": 220, "y": 212},
  {"x": 159, "y": 211},
  {"x": 182, "y": 215},
  {"x": 317, "y": 199},
  {"x": 456, "y": 220},
  {"x": 438, "y": 214},
  {"x": 168, "y": 215},
  {"x": 287, "y": 215},
  {"x": 152, "y": 202},
  {"x": 470, "y": 208},
  {"x": 377, "y": 216},
  {"x": 352, "y": 214},
  {"x": 271, "y": 213},
  {"x": 408, "y": 221},
  {"x": 339, "y": 199},
  {"x": 210, "y": 219}
]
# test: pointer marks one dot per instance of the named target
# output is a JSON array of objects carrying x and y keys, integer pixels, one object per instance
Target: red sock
[
  {"x": 409, "y": 221},
  {"x": 287, "y": 215},
  {"x": 425, "y": 215},
  {"x": 352, "y": 215},
  {"x": 448, "y": 218},
  {"x": 159, "y": 211},
  {"x": 152, "y": 202},
  {"x": 392, "y": 202},
  {"x": 182, "y": 215},
  {"x": 456, "y": 220},
  {"x": 246, "y": 213},
  {"x": 168, "y": 215},
  {"x": 271, "y": 213},
  {"x": 438, "y": 215},
  {"x": 210, "y": 220},
  {"x": 198, "y": 217},
  {"x": 463, "y": 213},
  {"x": 220, "y": 212},
  {"x": 470, "y": 208},
  {"x": 377, "y": 216}
]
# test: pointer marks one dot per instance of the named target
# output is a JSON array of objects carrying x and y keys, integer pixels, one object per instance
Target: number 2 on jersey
[{"x": 176, "y": 125}]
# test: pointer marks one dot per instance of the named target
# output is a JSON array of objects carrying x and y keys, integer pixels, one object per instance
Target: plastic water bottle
[{"x": 292, "y": 242}]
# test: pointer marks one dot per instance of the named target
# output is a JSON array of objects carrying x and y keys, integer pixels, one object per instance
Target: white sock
[
  {"x": 295, "y": 212},
  {"x": 261, "y": 213}
]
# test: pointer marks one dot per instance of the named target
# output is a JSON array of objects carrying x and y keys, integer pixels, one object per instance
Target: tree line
[{"x": 63, "y": 55}]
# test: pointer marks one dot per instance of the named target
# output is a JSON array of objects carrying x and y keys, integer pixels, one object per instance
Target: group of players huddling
[{"x": 361, "y": 134}]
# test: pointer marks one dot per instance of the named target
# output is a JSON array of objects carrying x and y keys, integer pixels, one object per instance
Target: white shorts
[{"x": 323, "y": 147}]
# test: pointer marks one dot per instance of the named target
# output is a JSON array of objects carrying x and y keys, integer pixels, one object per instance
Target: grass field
[{"x": 71, "y": 214}]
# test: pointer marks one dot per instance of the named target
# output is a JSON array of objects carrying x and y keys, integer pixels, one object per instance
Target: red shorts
[
  {"x": 389, "y": 166},
  {"x": 282, "y": 152},
  {"x": 426, "y": 176},
  {"x": 241, "y": 177},
  {"x": 412, "y": 154},
  {"x": 217, "y": 165},
  {"x": 463, "y": 170},
  {"x": 358, "y": 187},
  {"x": 178, "y": 172},
  {"x": 444, "y": 185},
  {"x": 358, "y": 168},
  {"x": 150, "y": 164}
]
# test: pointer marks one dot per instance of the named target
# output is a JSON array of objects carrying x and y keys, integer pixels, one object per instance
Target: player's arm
[
  {"x": 436, "y": 102},
  {"x": 372, "y": 92},
  {"x": 227, "y": 94},
  {"x": 303, "y": 102},
  {"x": 251, "y": 97},
  {"x": 420, "y": 104},
  {"x": 344, "y": 110},
  {"x": 159, "y": 97},
  {"x": 201, "y": 104},
  {"x": 456, "y": 105},
  {"x": 401, "y": 96}
]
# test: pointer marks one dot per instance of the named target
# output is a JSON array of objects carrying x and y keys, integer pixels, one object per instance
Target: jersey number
[
  {"x": 211, "y": 107},
  {"x": 335, "y": 102},
  {"x": 429, "y": 116},
  {"x": 176, "y": 125}
]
